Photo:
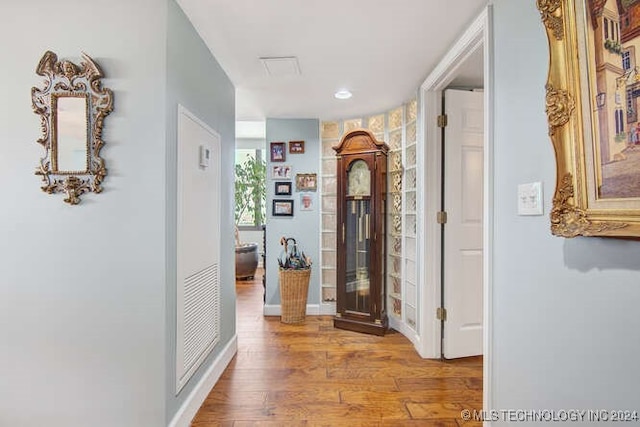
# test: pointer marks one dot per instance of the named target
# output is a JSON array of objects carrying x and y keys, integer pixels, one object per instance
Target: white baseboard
[
  {"x": 193, "y": 402},
  {"x": 312, "y": 310}
]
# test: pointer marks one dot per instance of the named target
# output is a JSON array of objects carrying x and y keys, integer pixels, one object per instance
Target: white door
[{"x": 463, "y": 202}]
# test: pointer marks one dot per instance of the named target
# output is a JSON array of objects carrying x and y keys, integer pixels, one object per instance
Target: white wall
[
  {"x": 565, "y": 311},
  {"x": 82, "y": 288}
]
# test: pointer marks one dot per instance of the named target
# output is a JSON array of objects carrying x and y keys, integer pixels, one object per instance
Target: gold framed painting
[{"x": 592, "y": 103}]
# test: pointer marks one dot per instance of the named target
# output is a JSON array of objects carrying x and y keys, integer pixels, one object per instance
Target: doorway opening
[{"x": 473, "y": 51}]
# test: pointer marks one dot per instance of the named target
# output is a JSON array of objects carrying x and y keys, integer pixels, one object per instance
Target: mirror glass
[{"x": 71, "y": 134}]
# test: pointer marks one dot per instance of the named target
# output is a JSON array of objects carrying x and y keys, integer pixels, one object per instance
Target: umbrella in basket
[
  {"x": 291, "y": 258},
  {"x": 294, "y": 274}
]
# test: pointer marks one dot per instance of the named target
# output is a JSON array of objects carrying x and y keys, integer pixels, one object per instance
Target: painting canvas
[
  {"x": 612, "y": 32},
  {"x": 592, "y": 100}
]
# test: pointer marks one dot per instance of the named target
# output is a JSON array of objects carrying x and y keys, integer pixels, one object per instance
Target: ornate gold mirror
[{"x": 72, "y": 106}]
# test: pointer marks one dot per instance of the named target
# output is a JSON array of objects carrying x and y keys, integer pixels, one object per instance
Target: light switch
[
  {"x": 205, "y": 154},
  {"x": 530, "y": 199}
]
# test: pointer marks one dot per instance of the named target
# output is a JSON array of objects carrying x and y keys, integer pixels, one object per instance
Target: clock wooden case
[{"x": 361, "y": 242}]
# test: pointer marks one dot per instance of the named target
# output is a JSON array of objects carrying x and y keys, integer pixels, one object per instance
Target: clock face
[{"x": 359, "y": 179}]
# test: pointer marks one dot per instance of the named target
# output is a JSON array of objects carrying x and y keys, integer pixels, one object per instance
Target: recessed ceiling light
[{"x": 343, "y": 94}]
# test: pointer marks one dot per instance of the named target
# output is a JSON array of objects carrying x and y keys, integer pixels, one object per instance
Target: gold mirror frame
[
  {"x": 578, "y": 99},
  {"x": 64, "y": 79}
]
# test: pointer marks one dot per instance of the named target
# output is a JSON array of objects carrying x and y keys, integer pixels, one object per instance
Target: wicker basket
[{"x": 294, "y": 285}]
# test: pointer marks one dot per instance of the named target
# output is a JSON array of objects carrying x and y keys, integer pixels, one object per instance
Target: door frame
[{"x": 479, "y": 35}]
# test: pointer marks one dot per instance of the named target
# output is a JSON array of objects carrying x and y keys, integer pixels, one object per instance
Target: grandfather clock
[{"x": 361, "y": 247}]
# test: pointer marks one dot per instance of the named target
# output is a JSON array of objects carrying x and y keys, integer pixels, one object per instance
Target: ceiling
[{"x": 380, "y": 50}]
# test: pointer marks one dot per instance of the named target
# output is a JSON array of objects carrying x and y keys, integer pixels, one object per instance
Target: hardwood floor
[{"x": 311, "y": 374}]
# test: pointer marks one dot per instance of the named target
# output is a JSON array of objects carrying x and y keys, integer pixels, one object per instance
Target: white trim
[
  {"x": 431, "y": 95},
  {"x": 327, "y": 309},
  {"x": 312, "y": 310},
  {"x": 194, "y": 401},
  {"x": 467, "y": 44},
  {"x": 406, "y": 330},
  {"x": 186, "y": 252},
  {"x": 487, "y": 291},
  {"x": 479, "y": 35}
]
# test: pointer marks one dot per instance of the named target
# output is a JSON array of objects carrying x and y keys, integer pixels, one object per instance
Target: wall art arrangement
[
  {"x": 592, "y": 104},
  {"x": 305, "y": 183},
  {"x": 72, "y": 105}
]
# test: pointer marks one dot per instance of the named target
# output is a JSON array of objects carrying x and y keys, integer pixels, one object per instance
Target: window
[
  {"x": 626, "y": 60},
  {"x": 606, "y": 28},
  {"x": 619, "y": 122},
  {"x": 631, "y": 110},
  {"x": 250, "y": 187}
]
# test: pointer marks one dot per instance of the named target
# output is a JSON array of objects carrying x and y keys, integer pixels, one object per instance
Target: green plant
[
  {"x": 613, "y": 46},
  {"x": 250, "y": 190}
]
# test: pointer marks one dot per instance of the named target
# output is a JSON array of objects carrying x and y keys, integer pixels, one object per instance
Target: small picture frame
[
  {"x": 306, "y": 201},
  {"x": 281, "y": 172},
  {"x": 282, "y": 208},
  {"x": 283, "y": 188},
  {"x": 296, "y": 147},
  {"x": 277, "y": 150},
  {"x": 306, "y": 182}
]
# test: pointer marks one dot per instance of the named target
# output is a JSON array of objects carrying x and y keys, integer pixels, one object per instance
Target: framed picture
[
  {"x": 282, "y": 208},
  {"x": 296, "y": 147},
  {"x": 306, "y": 182},
  {"x": 281, "y": 172},
  {"x": 283, "y": 188},
  {"x": 592, "y": 106},
  {"x": 306, "y": 201},
  {"x": 277, "y": 150}
]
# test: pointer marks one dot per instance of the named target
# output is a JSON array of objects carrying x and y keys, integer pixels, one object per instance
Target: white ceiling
[{"x": 381, "y": 50}]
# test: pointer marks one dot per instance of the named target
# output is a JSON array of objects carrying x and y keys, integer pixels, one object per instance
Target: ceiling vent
[{"x": 280, "y": 66}]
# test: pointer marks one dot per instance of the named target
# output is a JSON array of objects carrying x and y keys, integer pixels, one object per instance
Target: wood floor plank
[
  {"x": 311, "y": 374},
  {"x": 441, "y": 383}
]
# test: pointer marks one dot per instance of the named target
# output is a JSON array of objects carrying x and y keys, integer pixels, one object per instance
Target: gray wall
[
  {"x": 565, "y": 311},
  {"x": 87, "y": 293},
  {"x": 303, "y": 226},
  {"x": 82, "y": 288},
  {"x": 195, "y": 80}
]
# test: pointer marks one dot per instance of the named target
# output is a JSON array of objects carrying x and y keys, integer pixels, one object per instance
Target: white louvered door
[{"x": 198, "y": 245}]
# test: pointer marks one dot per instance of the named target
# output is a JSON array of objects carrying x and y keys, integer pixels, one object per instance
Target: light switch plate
[
  {"x": 205, "y": 154},
  {"x": 530, "y": 199}
]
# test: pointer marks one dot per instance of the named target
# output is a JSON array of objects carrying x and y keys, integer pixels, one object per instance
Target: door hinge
[
  {"x": 441, "y": 217},
  {"x": 441, "y": 313},
  {"x": 442, "y": 121}
]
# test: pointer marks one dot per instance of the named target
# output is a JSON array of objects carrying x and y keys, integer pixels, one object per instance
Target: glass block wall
[{"x": 397, "y": 128}]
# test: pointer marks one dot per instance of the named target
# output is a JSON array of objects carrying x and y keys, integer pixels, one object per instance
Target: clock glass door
[{"x": 357, "y": 238}]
